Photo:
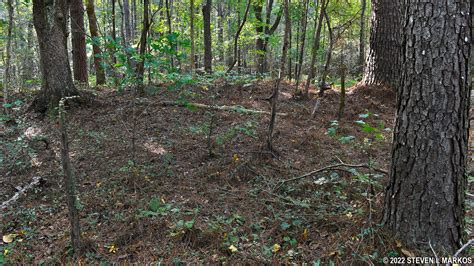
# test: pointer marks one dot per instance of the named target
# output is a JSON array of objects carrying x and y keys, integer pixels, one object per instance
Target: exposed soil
[{"x": 183, "y": 201}]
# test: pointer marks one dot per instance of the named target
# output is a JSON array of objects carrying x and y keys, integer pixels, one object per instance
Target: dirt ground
[{"x": 172, "y": 184}]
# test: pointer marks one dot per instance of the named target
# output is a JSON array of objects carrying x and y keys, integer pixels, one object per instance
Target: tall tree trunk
[
  {"x": 126, "y": 19},
  {"x": 79, "y": 55},
  {"x": 143, "y": 43},
  {"x": 237, "y": 34},
  {"x": 314, "y": 52},
  {"x": 193, "y": 52},
  {"x": 7, "y": 80},
  {"x": 114, "y": 35},
  {"x": 206, "y": 12},
  {"x": 299, "y": 65},
  {"x": 383, "y": 61},
  {"x": 94, "y": 30},
  {"x": 281, "y": 75},
  {"x": 361, "y": 59},
  {"x": 425, "y": 199},
  {"x": 324, "y": 74},
  {"x": 134, "y": 19},
  {"x": 29, "y": 64},
  {"x": 220, "y": 30},
  {"x": 50, "y": 19}
]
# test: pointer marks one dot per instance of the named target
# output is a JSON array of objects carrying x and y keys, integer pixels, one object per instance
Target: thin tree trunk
[
  {"x": 325, "y": 73},
  {"x": 69, "y": 183},
  {"x": 425, "y": 199},
  {"x": 299, "y": 64},
  {"x": 126, "y": 19},
  {"x": 50, "y": 19},
  {"x": 143, "y": 43},
  {"x": 206, "y": 12},
  {"x": 96, "y": 51},
  {"x": 276, "y": 89},
  {"x": 237, "y": 34},
  {"x": 361, "y": 60},
  {"x": 7, "y": 79},
  {"x": 193, "y": 52},
  {"x": 220, "y": 30},
  {"x": 317, "y": 37},
  {"x": 79, "y": 55}
]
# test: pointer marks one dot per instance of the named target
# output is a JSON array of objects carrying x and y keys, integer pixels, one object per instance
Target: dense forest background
[{"x": 230, "y": 131}]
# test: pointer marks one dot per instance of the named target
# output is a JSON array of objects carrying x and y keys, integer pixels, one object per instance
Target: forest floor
[{"x": 199, "y": 186}]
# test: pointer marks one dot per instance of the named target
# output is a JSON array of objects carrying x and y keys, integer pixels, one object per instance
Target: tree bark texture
[
  {"x": 383, "y": 64},
  {"x": 49, "y": 18},
  {"x": 79, "y": 55},
  {"x": 96, "y": 51},
  {"x": 424, "y": 202}
]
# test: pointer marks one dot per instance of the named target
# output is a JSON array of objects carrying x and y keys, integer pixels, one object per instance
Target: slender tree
[
  {"x": 206, "y": 12},
  {"x": 314, "y": 51},
  {"x": 94, "y": 30},
  {"x": 383, "y": 65},
  {"x": 143, "y": 42},
  {"x": 7, "y": 80},
  {"x": 361, "y": 59},
  {"x": 237, "y": 34},
  {"x": 299, "y": 64},
  {"x": 79, "y": 55},
  {"x": 191, "y": 24},
  {"x": 126, "y": 19},
  {"x": 281, "y": 75},
  {"x": 49, "y": 18},
  {"x": 425, "y": 199}
]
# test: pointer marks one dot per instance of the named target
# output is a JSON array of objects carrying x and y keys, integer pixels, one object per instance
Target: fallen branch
[
  {"x": 329, "y": 168},
  {"x": 36, "y": 181},
  {"x": 234, "y": 108}
]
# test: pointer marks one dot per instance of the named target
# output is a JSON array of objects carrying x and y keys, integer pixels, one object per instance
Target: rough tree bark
[
  {"x": 206, "y": 12},
  {"x": 383, "y": 64},
  {"x": 49, "y": 18},
  {"x": 79, "y": 55},
  {"x": 94, "y": 30},
  {"x": 424, "y": 202},
  {"x": 281, "y": 75},
  {"x": 314, "y": 51}
]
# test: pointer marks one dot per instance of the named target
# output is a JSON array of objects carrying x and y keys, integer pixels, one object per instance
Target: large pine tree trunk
[
  {"x": 79, "y": 55},
  {"x": 424, "y": 203},
  {"x": 50, "y": 18},
  {"x": 206, "y": 12},
  {"x": 96, "y": 51},
  {"x": 383, "y": 64}
]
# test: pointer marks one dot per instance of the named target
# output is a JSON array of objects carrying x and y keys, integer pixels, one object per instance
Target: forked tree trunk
[
  {"x": 425, "y": 200},
  {"x": 237, "y": 34},
  {"x": 383, "y": 64},
  {"x": 96, "y": 51},
  {"x": 50, "y": 19},
  {"x": 79, "y": 55},
  {"x": 206, "y": 12}
]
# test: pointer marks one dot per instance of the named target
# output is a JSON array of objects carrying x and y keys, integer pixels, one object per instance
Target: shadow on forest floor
[{"x": 175, "y": 203}]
